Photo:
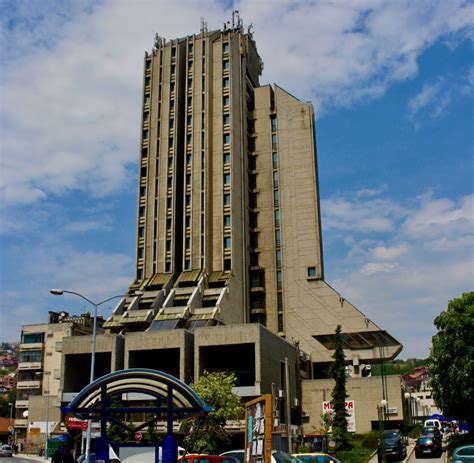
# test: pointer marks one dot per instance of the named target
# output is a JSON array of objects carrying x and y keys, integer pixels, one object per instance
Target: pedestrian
[
  {"x": 15, "y": 448},
  {"x": 67, "y": 457},
  {"x": 57, "y": 457}
]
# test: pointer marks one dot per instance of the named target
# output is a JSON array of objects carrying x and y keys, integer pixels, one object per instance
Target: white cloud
[
  {"x": 72, "y": 74},
  {"x": 405, "y": 278}
]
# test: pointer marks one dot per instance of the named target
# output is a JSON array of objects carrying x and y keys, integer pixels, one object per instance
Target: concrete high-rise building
[
  {"x": 229, "y": 265},
  {"x": 228, "y": 226}
]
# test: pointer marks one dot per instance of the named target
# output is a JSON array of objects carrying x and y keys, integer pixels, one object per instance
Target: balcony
[
  {"x": 28, "y": 384},
  {"x": 21, "y": 404},
  {"x": 30, "y": 365},
  {"x": 21, "y": 424},
  {"x": 31, "y": 346}
]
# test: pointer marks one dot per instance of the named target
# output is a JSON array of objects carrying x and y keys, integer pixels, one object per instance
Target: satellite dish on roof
[{"x": 25, "y": 414}]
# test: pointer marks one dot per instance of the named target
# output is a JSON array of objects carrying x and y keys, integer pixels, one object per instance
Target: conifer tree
[{"x": 339, "y": 394}]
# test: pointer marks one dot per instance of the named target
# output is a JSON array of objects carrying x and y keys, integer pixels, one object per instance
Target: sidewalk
[{"x": 32, "y": 457}]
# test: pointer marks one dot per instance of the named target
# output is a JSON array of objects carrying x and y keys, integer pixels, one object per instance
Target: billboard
[
  {"x": 350, "y": 409},
  {"x": 258, "y": 429}
]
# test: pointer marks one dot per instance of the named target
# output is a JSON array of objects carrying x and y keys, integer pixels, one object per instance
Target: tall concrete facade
[{"x": 229, "y": 223}]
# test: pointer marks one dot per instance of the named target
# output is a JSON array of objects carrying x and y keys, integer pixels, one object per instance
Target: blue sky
[{"x": 393, "y": 88}]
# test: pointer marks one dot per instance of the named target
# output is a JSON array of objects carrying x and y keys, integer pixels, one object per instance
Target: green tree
[
  {"x": 207, "y": 433},
  {"x": 451, "y": 361},
  {"x": 339, "y": 394},
  {"x": 115, "y": 432},
  {"x": 5, "y": 400}
]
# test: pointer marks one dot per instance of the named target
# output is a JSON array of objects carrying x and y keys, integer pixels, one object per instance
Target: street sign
[
  {"x": 74, "y": 423},
  {"x": 138, "y": 436}
]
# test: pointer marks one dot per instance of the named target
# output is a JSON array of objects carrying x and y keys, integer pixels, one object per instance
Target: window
[
  {"x": 147, "y": 99},
  {"x": 171, "y": 125},
  {"x": 226, "y": 82},
  {"x": 172, "y": 105},
  {"x": 190, "y": 83},
  {"x": 277, "y": 217},
  {"x": 170, "y": 182},
  {"x": 280, "y": 322},
  {"x": 275, "y": 159},
  {"x": 140, "y": 253},
  {"x": 311, "y": 272},
  {"x": 168, "y": 223},
  {"x": 189, "y": 139},
  {"x": 277, "y": 238},
  {"x": 279, "y": 280},
  {"x": 142, "y": 211},
  {"x": 226, "y": 100},
  {"x": 146, "y": 116},
  {"x": 280, "y": 301},
  {"x": 190, "y": 48},
  {"x": 190, "y": 100},
  {"x": 226, "y": 138},
  {"x": 227, "y": 265},
  {"x": 276, "y": 198},
  {"x": 168, "y": 245},
  {"x": 227, "y": 199},
  {"x": 167, "y": 267},
  {"x": 148, "y": 65},
  {"x": 226, "y": 158},
  {"x": 274, "y": 141},
  {"x": 227, "y": 220},
  {"x": 173, "y": 69},
  {"x": 170, "y": 141},
  {"x": 188, "y": 200},
  {"x": 226, "y": 119},
  {"x": 188, "y": 179},
  {"x": 226, "y": 64},
  {"x": 226, "y": 179},
  {"x": 188, "y": 158},
  {"x": 187, "y": 243},
  {"x": 274, "y": 123},
  {"x": 173, "y": 52},
  {"x": 227, "y": 242},
  {"x": 225, "y": 47},
  {"x": 169, "y": 202},
  {"x": 143, "y": 171},
  {"x": 275, "y": 178},
  {"x": 278, "y": 258},
  {"x": 140, "y": 274},
  {"x": 145, "y": 135},
  {"x": 144, "y": 152},
  {"x": 141, "y": 232},
  {"x": 190, "y": 120},
  {"x": 172, "y": 87},
  {"x": 187, "y": 221},
  {"x": 187, "y": 264},
  {"x": 142, "y": 191}
]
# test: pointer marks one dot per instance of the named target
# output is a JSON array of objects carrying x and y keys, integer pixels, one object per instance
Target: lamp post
[
  {"x": 46, "y": 412},
  {"x": 381, "y": 417},
  {"x": 407, "y": 397},
  {"x": 417, "y": 403},
  {"x": 60, "y": 292}
]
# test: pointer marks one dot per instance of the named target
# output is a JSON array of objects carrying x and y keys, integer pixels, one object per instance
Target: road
[
  {"x": 412, "y": 459},
  {"x": 21, "y": 459}
]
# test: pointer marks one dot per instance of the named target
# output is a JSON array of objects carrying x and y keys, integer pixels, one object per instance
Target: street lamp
[
  {"x": 60, "y": 292},
  {"x": 407, "y": 397},
  {"x": 46, "y": 412},
  {"x": 381, "y": 417},
  {"x": 417, "y": 402}
]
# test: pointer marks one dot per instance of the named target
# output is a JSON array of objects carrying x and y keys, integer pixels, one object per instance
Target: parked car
[
  {"x": 462, "y": 454},
  {"x": 277, "y": 456},
  {"x": 315, "y": 458},
  {"x": 394, "y": 444},
  {"x": 202, "y": 458},
  {"x": 6, "y": 451},
  {"x": 433, "y": 431},
  {"x": 433, "y": 422},
  {"x": 428, "y": 445}
]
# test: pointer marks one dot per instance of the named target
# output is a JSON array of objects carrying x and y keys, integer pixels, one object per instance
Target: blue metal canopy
[{"x": 169, "y": 394}]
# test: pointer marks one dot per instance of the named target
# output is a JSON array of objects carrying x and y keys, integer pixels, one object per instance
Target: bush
[
  {"x": 370, "y": 440},
  {"x": 414, "y": 430}
]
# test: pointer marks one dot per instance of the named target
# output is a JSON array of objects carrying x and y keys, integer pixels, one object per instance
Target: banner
[{"x": 350, "y": 409}]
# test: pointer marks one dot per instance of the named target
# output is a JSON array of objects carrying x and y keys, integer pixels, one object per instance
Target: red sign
[
  {"x": 74, "y": 423},
  {"x": 138, "y": 436}
]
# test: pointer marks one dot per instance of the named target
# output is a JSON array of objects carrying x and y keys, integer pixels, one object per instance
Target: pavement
[{"x": 32, "y": 457}]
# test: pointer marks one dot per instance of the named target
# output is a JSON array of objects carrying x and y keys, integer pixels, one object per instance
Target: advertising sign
[
  {"x": 74, "y": 423},
  {"x": 258, "y": 429},
  {"x": 350, "y": 409}
]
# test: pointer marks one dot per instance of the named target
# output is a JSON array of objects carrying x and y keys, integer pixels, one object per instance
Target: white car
[{"x": 6, "y": 451}]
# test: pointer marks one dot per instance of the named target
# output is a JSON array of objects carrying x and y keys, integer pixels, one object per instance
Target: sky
[{"x": 392, "y": 83}]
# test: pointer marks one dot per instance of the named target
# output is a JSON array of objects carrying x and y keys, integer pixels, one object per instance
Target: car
[
  {"x": 462, "y": 454},
  {"x": 394, "y": 445},
  {"x": 6, "y": 451},
  {"x": 433, "y": 431},
  {"x": 277, "y": 456},
  {"x": 202, "y": 458},
  {"x": 315, "y": 457},
  {"x": 428, "y": 445},
  {"x": 433, "y": 422},
  {"x": 82, "y": 458}
]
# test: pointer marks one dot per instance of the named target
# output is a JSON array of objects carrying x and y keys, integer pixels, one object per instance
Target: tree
[
  {"x": 5, "y": 408},
  {"x": 339, "y": 394},
  {"x": 451, "y": 361},
  {"x": 207, "y": 433},
  {"x": 115, "y": 432}
]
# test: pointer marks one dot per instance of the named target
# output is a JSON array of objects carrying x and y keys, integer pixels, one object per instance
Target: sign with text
[
  {"x": 258, "y": 429},
  {"x": 74, "y": 423},
  {"x": 350, "y": 409}
]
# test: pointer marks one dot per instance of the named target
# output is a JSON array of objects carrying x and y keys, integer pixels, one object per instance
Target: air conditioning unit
[
  {"x": 276, "y": 422},
  {"x": 296, "y": 402},
  {"x": 281, "y": 393}
]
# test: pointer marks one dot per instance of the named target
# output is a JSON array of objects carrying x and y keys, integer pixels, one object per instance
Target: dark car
[
  {"x": 428, "y": 446},
  {"x": 463, "y": 453},
  {"x": 394, "y": 444},
  {"x": 434, "y": 431}
]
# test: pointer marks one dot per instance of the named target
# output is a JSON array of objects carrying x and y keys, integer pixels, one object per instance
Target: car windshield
[
  {"x": 390, "y": 441},
  {"x": 425, "y": 440},
  {"x": 281, "y": 457}
]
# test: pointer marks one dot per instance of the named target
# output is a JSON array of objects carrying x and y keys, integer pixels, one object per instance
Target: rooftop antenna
[
  {"x": 250, "y": 31},
  {"x": 234, "y": 14},
  {"x": 203, "y": 26},
  {"x": 158, "y": 41}
]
